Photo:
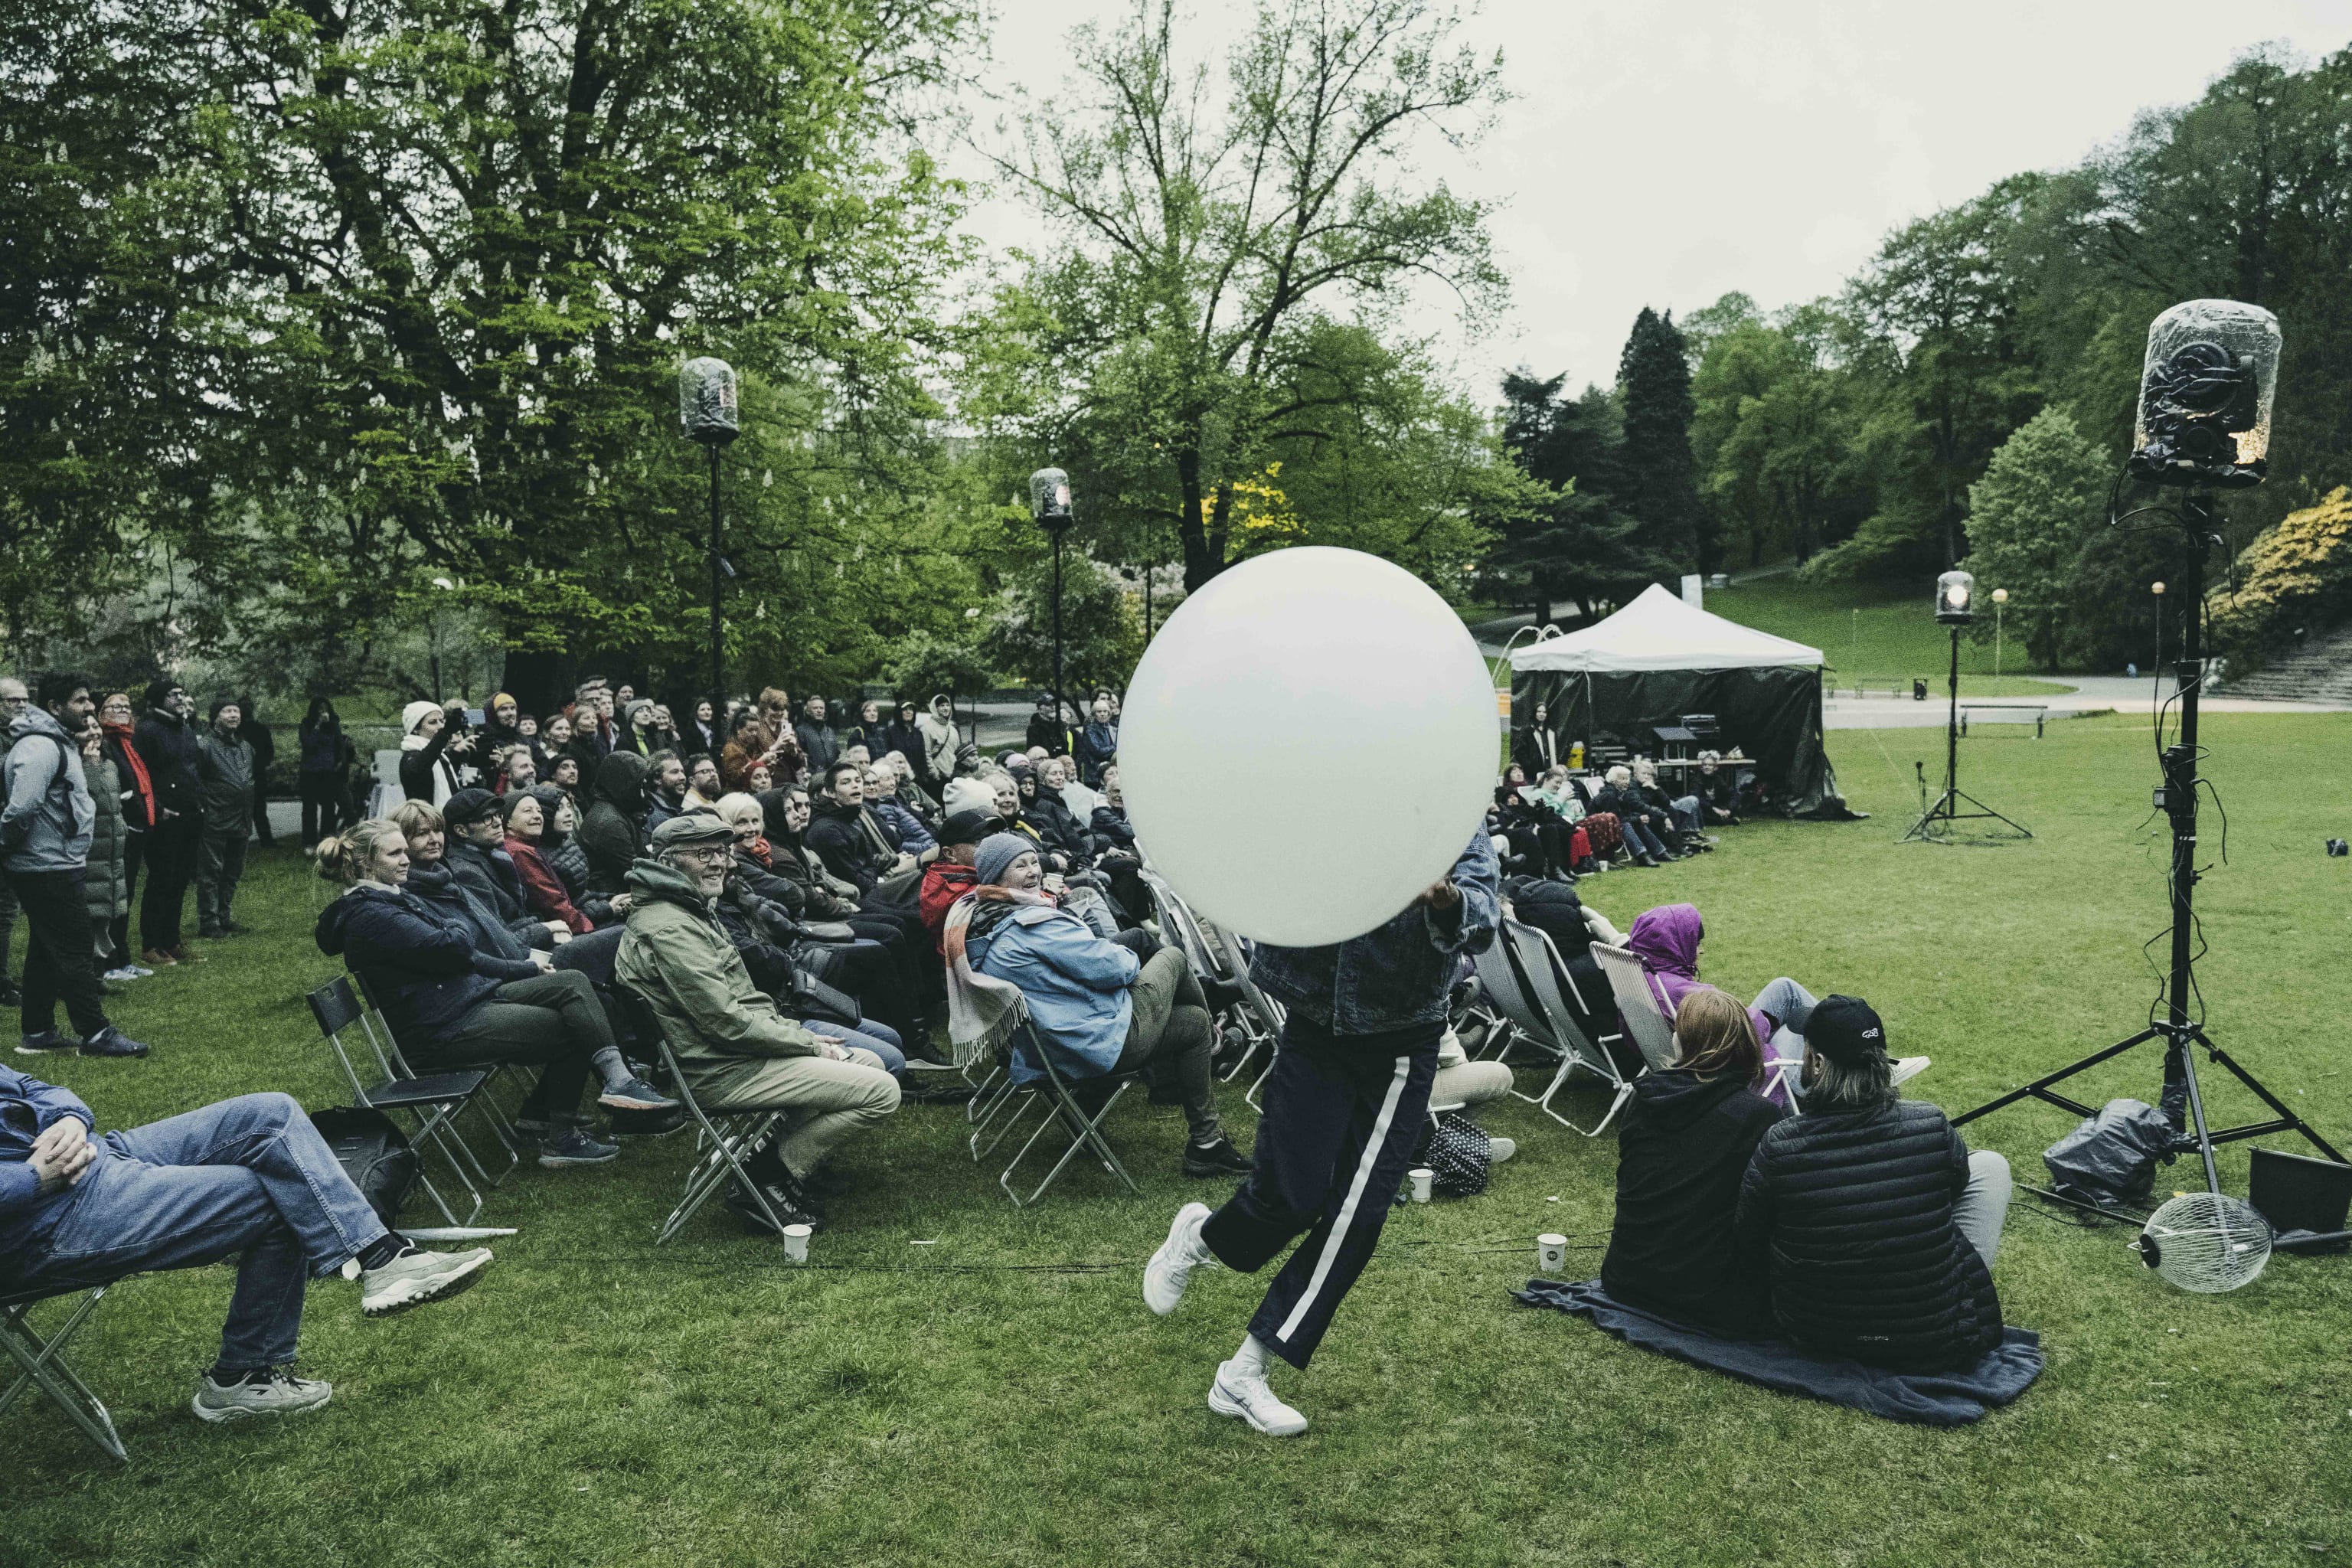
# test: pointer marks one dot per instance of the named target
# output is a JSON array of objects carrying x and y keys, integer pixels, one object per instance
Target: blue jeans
[
  {"x": 1686, "y": 813},
  {"x": 1642, "y": 836},
  {"x": 880, "y": 1038},
  {"x": 247, "y": 1175}
]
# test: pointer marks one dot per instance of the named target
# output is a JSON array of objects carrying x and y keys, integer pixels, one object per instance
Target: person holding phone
[{"x": 432, "y": 743}]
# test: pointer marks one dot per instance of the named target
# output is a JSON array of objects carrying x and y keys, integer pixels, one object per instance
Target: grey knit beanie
[{"x": 998, "y": 852}]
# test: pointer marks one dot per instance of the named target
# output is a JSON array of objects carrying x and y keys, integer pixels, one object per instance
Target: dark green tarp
[{"x": 1772, "y": 714}]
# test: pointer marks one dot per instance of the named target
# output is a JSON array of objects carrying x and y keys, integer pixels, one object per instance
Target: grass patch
[
  {"x": 598, "y": 1401},
  {"x": 1874, "y": 635}
]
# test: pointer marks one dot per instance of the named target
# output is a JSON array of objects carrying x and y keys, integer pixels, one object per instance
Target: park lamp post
[
  {"x": 706, "y": 412},
  {"x": 2157, "y": 589},
  {"x": 1049, "y": 507},
  {"x": 2000, "y": 601}
]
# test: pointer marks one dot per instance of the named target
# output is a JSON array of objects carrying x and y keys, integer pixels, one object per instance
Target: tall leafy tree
[
  {"x": 1572, "y": 541},
  {"x": 1654, "y": 380},
  {"x": 2028, "y": 519}
]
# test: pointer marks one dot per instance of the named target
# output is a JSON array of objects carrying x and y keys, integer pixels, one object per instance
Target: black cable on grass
[{"x": 771, "y": 1260}]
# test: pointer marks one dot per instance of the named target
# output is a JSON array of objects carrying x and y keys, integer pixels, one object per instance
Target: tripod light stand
[
  {"x": 705, "y": 409},
  {"x": 1954, "y": 593}
]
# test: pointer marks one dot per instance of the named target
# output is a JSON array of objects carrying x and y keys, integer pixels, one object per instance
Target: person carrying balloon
[{"x": 1344, "y": 1105}]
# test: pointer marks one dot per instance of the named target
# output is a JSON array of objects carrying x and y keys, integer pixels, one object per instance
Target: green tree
[
  {"x": 2028, "y": 519},
  {"x": 1571, "y": 540},
  {"x": 1654, "y": 379}
]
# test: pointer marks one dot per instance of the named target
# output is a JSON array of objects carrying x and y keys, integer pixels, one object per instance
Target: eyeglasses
[{"x": 714, "y": 854}]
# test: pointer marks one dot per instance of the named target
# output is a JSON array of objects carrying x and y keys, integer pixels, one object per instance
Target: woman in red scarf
[{"x": 116, "y": 716}]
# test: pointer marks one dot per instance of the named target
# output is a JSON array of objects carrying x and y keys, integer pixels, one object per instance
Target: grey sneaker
[
  {"x": 276, "y": 1392},
  {"x": 419, "y": 1278},
  {"x": 573, "y": 1146}
]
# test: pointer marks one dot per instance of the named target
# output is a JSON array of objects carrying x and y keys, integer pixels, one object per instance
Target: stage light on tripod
[
  {"x": 1956, "y": 594},
  {"x": 2205, "y": 392}
]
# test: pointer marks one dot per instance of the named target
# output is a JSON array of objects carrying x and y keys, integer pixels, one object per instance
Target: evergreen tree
[
  {"x": 1661, "y": 481},
  {"x": 1578, "y": 543}
]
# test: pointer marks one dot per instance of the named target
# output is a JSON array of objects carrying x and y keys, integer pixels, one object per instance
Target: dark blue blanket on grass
[{"x": 1952, "y": 1398}]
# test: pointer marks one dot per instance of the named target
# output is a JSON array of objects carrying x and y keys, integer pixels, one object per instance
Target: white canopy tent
[{"x": 1658, "y": 631}]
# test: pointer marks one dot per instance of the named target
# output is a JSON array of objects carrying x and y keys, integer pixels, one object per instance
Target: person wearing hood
[
  {"x": 1667, "y": 941},
  {"x": 319, "y": 778},
  {"x": 614, "y": 829},
  {"x": 820, "y": 743},
  {"x": 501, "y": 726},
  {"x": 850, "y": 839},
  {"x": 454, "y": 995},
  {"x": 432, "y": 745},
  {"x": 45, "y": 835},
  {"x": 1096, "y": 1006},
  {"x": 1097, "y": 745},
  {"x": 1682, "y": 1152},
  {"x": 1880, "y": 1227},
  {"x": 904, "y": 734},
  {"x": 737, "y": 1051},
  {"x": 166, "y": 741},
  {"x": 225, "y": 764},
  {"x": 115, "y": 716},
  {"x": 942, "y": 753}
]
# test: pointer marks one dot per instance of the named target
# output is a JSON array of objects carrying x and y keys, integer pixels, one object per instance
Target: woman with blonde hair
[{"x": 1681, "y": 1153}]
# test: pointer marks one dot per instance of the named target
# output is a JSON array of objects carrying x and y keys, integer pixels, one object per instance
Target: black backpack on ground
[{"x": 373, "y": 1152}]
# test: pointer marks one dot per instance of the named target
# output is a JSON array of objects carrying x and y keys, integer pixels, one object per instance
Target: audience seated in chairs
[
  {"x": 1092, "y": 1003},
  {"x": 1682, "y": 1151},
  {"x": 1645, "y": 827},
  {"x": 735, "y": 1049},
  {"x": 614, "y": 832},
  {"x": 1880, "y": 1225},
  {"x": 854, "y": 843},
  {"x": 1683, "y": 810},
  {"x": 1667, "y": 941},
  {"x": 248, "y": 1179},
  {"x": 1558, "y": 910},
  {"x": 450, "y": 1002}
]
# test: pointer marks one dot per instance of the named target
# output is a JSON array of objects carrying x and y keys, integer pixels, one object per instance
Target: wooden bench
[{"x": 2005, "y": 713}]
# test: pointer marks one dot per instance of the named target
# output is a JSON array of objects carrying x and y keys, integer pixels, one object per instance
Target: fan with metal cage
[{"x": 2205, "y": 1242}]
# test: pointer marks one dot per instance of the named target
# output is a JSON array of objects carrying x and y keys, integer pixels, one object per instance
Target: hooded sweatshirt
[
  {"x": 1666, "y": 941},
  {"x": 1681, "y": 1153},
  {"x": 47, "y": 823},
  {"x": 612, "y": 831},
  {"x": 941, "y": 743}
]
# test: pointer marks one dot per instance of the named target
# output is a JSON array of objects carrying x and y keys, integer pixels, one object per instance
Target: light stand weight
[
  {"x": 1935, "y": 823},
  {"x": 2178, "y": 799}
]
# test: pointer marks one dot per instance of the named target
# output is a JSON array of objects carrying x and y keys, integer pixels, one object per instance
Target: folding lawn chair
[
  {"x": 485, "y": 1099},
  {"x": 43, "y": 1365},
  {"x": 1652, "y": 1027},
  {"x": 434, "y": 1099},
  {"x": 1545, "y": 984},
  {"x": 1052, "y": 1090},
  {"x": 723, "y": 1140}
]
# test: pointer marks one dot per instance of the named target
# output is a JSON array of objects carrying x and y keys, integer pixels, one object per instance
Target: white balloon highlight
[{"x": 1307, "y": 744}]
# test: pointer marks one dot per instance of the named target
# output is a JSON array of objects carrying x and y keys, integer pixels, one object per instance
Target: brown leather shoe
[
  {"x": 187, "y": 955},
  {"x": 156, "y": 958}
]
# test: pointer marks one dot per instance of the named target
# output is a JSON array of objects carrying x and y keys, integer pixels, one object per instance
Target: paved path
[{"x": 2092, "y": 693}]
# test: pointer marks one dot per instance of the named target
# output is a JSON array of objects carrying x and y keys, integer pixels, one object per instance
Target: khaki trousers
[{"x": 825, "y": 1100}]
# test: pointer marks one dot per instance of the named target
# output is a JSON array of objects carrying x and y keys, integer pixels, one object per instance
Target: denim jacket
[{"x": 1398, "y": 974}]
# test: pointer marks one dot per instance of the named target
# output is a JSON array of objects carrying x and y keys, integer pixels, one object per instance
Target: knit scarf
[{"x": 138, "y": 765}]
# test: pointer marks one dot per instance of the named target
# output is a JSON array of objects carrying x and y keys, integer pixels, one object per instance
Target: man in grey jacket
[
  {"x": 45, "y": 832},
  {"x": 225, "y": 768}
]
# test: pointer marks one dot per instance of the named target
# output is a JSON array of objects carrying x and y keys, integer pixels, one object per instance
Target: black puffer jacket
[
  {"x": 1855, "y": 1208},
  {"x": 1681, "y": 1154}
]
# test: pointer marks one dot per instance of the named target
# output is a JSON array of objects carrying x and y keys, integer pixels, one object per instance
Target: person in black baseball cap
[
  {"x": 1880, "y": 1225},
  {"x": 951, "y": 875}
]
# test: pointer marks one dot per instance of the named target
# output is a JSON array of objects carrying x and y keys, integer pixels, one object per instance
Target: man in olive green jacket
[{"x": 736, "y": 1050}]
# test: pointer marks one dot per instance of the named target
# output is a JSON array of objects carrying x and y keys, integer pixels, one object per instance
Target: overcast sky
[{"x": 1665, "y": 154}]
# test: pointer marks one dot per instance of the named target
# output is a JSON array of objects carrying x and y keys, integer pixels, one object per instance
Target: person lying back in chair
[
  {"x": 1682, "y": 1152},
  {"x": 1092, "y": 1003}
]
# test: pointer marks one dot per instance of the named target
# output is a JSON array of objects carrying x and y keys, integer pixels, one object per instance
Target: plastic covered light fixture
[
  {"x": 1049, "y": 499},
  {"x": 1956, "y": 594},
  {"x": 2205, "y": 394},
  {"x": 705, "y": 401}
]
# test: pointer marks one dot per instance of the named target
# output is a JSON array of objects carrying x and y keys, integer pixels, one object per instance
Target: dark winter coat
[
  {"x": 1055, "y": 824},
  {"x": 821, "y": 743},
  {"x": 1682, "y": 1151},
  {"x": 1110, "y": 825},
  {"x": 167, "y": 744},
  {"x": 439, "y": 885},
  {"x": 1096, "y": 748},
  {"x": 264, "y": 742},
  {"x": 225, "y": 765},
  {"x": 1855, "y": 1208},
  {"x": 422, "y": 964},
  {"x": 613, "y": 833},
  {"x": 322, "y": 743},
  {"x": 490, "y": 874},
  {"x": 427, "y": 772},
  {"x": 851, "y": 843},
  {"x": 901, "y": 736},
  {"x": 105, "y": 884},
  {"x": 1045, "y": 731}
]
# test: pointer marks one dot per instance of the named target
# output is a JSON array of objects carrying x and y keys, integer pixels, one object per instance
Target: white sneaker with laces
[
  {"x": 1248, "y": 1396},
  {"x": 1501, "y": 1149},
  {"x": 418, "y": 1278},
  {"x": 277, "y": 1392},
  {"x": 1170, "y": 1268}
]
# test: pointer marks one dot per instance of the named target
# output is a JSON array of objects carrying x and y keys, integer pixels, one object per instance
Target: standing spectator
[
  {"x": 942, "y": 745},
  {"x": 820, "y": 744},
  {"x": 776, "y": 711},
  {"x": 104, "y": 888},
  {"x": 903, "y": 734},
  {"x": 138, "y": 797},
  {"x": 45, "y": 833},
  {"x": 1537, "y": 747},
  {"x": 319, "y": 778},
  {"x": 225, "y": 763},
  {"x": 1097, "y": 745},
  {"x": 640, "y": 731},
  {"x": 15, "y": 697},
  {"x": 167, "y": 744},
  {"x": 1046, "y": 727},
  {"x": 502, "y": 725},
  {"x": 867, "y": 732},
  {"x": 431, "y": 746},
  {"x": 255, "y": 730},
  {"x": 703, "y": 730}
]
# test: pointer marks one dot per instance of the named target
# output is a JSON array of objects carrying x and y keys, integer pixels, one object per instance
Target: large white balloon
[{"x": 1307, "y": 744}]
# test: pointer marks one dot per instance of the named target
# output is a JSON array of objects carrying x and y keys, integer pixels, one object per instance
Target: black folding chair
[
  {"x": 43, "y": 1365},
  {"x": 723, "y": 1140},
  {"x": 433, "y": 1099},
  {"x": 485, "y": 1100}
]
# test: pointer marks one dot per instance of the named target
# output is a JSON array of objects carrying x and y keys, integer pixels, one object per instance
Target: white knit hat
[{"x": 414, "y": 714}]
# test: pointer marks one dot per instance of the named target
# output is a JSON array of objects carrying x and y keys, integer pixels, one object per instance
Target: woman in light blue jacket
[{"x": 1093, "y": 1004}]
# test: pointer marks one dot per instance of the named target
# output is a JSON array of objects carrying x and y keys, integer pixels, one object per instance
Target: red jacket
[
  {"x": 943, "y": 883},
  {"x": 543, "y": 890}
]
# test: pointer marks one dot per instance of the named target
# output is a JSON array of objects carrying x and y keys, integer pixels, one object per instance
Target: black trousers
[
  {"x": 171, "y": 867},
  {"x": 60, "y": 953},
  {"x": 1342, "y": 1114},
  {"x": 118, "y": 933},
  {"x": 322, "y": 804}
]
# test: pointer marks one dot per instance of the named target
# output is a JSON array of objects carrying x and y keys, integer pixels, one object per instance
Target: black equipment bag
[
  {"x": 2111, "y": 1158},
  {"x": 373, "y": 1152},
  {"x": 814, "y": 999}
]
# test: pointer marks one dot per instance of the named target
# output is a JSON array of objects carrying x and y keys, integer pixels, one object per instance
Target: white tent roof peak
[{"x": 1658, "y": 631}]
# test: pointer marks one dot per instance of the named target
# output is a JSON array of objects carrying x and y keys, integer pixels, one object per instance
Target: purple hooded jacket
[{"x": 1666, "y": 941}]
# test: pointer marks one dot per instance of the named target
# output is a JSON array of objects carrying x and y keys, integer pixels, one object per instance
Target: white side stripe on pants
[{"x": 1338, "y": 1236}]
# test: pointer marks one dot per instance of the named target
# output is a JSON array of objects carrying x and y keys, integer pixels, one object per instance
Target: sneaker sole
[
  {"x": 216, "y": 1416},
  {"x": 618, "y": 1102},
  {"x": 68, "y": 1049},
  {"x": 1224, "y": 1405},
  {"x": 559, "y": 1162},
  {"x": 448, "y": 1285}
]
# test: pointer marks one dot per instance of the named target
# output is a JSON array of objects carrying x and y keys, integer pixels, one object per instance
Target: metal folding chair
[
  {"x": 1652, "y": 1027},
  {"x": 724, "y": 1138},
  {"x": 42, "y": 1361},
  {"x": 485, "y": 1099},
  {"x": 1054, "y": 1092},
  {"x": 434, "y": 1099},
  {"x": 1545, "y": 983}
]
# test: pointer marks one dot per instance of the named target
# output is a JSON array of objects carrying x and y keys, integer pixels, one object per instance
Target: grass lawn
[
  {"x": 1000, "y": 1396},
  {"x": 1872, "y": 634}
]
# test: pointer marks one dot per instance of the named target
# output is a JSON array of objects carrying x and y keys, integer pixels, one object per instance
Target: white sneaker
[
  {"x": 1247, "y": 1396},
  {"x": 1501, "y": 1149},
  {"x": 1170, "y": 1268},
  {"x": 276, "y": 1393},
  {"x": 1905, "y": 1069},
  {"x": 419, "y": 1278}
]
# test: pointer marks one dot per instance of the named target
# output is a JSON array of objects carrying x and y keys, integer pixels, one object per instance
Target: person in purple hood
[{"x": 1667, "y": 941}]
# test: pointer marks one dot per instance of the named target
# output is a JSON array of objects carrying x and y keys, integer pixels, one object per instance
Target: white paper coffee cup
[
  {"x": 1552, "y": 1252},
  {"x": 1421, "y": 1176},
  {"x": 796, "y": 1240}
]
